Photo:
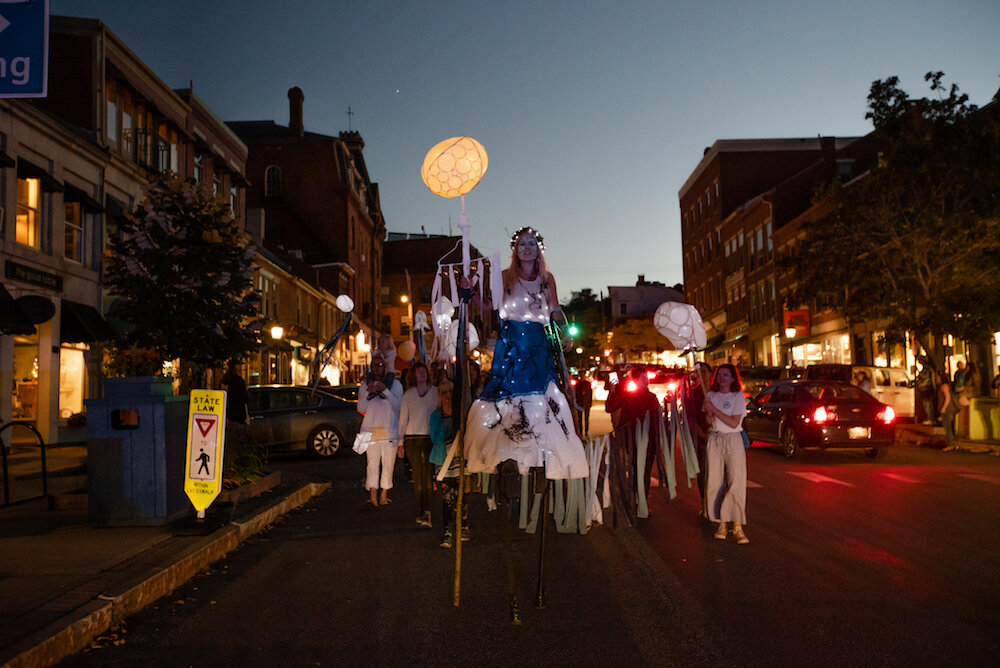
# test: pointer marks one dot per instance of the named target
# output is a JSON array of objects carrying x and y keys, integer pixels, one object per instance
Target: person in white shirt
[
  {"x": 725, "y": 455},
  {"x": 379, "y": 399},
  {"x": 419, "y": 401}
]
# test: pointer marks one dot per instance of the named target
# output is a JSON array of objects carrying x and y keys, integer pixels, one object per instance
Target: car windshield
[{"x": 834, "y": 392}]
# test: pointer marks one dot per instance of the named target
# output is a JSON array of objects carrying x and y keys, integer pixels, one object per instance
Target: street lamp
[{"x": 790, "y": 332}]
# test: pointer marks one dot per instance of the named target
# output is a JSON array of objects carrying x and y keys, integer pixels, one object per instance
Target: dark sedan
[
  {"x": 797, "y": 414},
  {"x": 287, "y": 417}
]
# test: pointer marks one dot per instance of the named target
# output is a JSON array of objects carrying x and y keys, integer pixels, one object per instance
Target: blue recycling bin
[{"x": 136, "y": 439}]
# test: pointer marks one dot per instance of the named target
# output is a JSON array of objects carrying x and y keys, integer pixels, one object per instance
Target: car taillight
[
  {"x": 887, "y": 415},
  {"x": 573, "y": 381},
  {"x": 821, "y": 415},
  {"x": 671, "y": 387},
  {"x": 631, "y": 386},
  {"x": 651, "y": 375}
]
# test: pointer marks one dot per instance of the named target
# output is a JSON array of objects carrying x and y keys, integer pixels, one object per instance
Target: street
[{"x": 851, "y": 562}]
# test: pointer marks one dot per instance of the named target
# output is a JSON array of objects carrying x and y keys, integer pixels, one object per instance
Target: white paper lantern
[
  {"x": 454, "y": 167},
  {"x": 345, "y": 303},
  {"x": 681, "y": 324}
]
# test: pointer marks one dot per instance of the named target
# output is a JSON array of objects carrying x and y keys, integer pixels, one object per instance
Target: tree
[
  {"x": 182, "y": 267},
  {"x": 916, "y": 242},
  {"x": 584, "y": 309}
]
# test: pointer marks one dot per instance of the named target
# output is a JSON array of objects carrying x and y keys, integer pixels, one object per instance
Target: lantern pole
[{"x": 463, "y": 225}]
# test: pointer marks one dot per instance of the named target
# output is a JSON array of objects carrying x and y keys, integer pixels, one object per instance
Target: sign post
[
  {"x": 24, "y": 48},
  {"x": 205, "y": 448}
]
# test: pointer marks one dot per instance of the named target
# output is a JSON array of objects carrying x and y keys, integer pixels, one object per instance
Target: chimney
[
  {"x": 295, "y": 98},
  {"x": 642, "y": 279}
]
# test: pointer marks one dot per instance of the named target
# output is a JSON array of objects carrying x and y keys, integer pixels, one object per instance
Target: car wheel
[
  {"x": 876, "y": 453},
  {"x": 324, "y": 441},
  {"x": 789, "y": 443}
]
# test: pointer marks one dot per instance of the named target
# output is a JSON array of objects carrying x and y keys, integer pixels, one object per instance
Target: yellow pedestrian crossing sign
[{"x": 206, "y": 444}]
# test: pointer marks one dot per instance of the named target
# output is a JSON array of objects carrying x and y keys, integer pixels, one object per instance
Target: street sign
[
  {"x": 24, "y": 48},
  {"x": 206, "y": 444}
]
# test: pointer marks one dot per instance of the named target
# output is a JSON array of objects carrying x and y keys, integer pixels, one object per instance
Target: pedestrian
[
  {"x": 725, "y": 456},
  {"x": 379, "y": 399},
  {"x": 521, "y": 415},
  {"x": 443, "y": 434},
  {"x": 383, "y": 345},
  {"x": 636, "y": 403},
  {"x": 959, "y": 379},
  {"x": 419, "y": 401},
  {"x": 864, "y": 384},
  {"x": 698, "y": 423},
  {"x": 972, "y": 382},
  {"x": 237, "y": 412},
  {"x": 584, "y": 395},
  {"x": 925, "y": 390},
  {"x": 947, "y": 407}
]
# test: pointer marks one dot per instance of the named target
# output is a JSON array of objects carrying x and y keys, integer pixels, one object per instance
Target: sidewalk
[
  {"x": 64, "y": 581},
  {"x": 933, "y": 437}
]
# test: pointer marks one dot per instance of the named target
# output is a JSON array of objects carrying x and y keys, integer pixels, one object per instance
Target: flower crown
[{"x": 530, "y": 230}]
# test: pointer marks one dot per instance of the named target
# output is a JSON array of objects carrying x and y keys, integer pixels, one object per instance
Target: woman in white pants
[
  {"x": 725, "y": 454},
  {"x": 379, "y": 399}
]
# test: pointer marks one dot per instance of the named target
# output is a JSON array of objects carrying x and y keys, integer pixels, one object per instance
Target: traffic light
[{"x": 573, "y": 330}]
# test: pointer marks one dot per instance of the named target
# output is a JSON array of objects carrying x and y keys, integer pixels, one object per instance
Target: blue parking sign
[{"x": 24, "y": 48}]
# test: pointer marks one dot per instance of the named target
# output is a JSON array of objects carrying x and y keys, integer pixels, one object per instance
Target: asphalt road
[{"x": 852, "y": 562}]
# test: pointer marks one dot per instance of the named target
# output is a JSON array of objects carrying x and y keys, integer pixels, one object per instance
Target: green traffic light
[{"x": 573, "y": 329}]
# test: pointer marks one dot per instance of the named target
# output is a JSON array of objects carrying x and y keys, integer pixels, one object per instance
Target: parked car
[
  {"x": 890, "y": 385},
  {"x": 289, "y": 417},
  {"x": 796, "y": 414}
]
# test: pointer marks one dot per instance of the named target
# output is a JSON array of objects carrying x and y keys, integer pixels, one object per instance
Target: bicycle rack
[{"x": 6, "y": 476}]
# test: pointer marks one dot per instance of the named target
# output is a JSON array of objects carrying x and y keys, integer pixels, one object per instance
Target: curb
[{"x": 73, "y": 632}]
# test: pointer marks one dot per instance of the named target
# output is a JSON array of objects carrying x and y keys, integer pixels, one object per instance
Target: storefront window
[{"x": 72, "y": 380}]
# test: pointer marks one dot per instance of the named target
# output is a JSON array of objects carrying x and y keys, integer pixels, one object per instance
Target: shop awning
[
  {"x": 13, "y": 319},
  {"x": 27, "y": 170},
  {"x": 89, "y": 204},
  {"x": 83, "y": 324}
]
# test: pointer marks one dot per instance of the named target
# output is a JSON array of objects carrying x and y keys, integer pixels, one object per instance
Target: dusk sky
[{"x": 593, "y": 113}]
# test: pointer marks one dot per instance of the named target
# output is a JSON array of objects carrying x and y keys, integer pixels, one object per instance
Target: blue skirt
[{"x": 522, "y": 363}]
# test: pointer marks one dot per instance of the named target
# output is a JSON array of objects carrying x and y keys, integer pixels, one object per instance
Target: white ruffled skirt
[{"x": 532, "y": 429}]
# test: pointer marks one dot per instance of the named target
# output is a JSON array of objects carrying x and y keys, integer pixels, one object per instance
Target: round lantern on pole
[{"x": 451, "y": 169}]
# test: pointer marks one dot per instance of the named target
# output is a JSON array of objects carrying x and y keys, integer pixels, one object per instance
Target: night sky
[{"x": 593, "y": 113}]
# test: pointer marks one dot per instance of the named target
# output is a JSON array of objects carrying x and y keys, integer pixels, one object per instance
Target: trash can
[{"x": 136, "y": 437}]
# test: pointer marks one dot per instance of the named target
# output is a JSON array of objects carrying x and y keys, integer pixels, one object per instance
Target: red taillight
[
  {"x": 821, "y": 415},
  {"x": 671, "y": 387},
  {"x": 631, "y": 386},
  {"x": 887, "y": 415},
  {"x": 572, "y": 382},
  {"x": 651, "y": 375}
]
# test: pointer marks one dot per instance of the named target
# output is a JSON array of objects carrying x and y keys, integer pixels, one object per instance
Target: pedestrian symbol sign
[{"x": 205, "y": 447}]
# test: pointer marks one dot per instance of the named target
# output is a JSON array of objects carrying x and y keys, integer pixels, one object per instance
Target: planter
[{"x": 136, "y": 438}]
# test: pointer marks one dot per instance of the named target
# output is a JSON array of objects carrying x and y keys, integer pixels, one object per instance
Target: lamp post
[{"x": 277, "y": 331}]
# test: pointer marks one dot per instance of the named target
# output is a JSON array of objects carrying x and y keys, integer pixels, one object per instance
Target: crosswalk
[{"x": 820, "y": 478}]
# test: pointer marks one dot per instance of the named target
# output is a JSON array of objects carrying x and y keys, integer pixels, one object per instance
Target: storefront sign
[
  {"x": 798, "y": 321},
  {"x": 32, "y": 276}
]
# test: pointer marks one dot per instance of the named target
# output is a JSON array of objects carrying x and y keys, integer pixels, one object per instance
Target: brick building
[
  {"x": 311, "y": 203},
  {"x": 731, "y": 205}
]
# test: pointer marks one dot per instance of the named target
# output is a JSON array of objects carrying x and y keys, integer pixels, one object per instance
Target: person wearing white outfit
[
  {"x": 725, "y": 454},
  {"x": 419, "y": 401},
  {"x": 521, "y": 414},
  {"x": 379, "y": 399}
]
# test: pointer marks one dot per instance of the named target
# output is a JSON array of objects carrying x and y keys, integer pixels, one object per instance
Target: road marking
[
  {"x": 751, "y": 483},
  {"x": 901, "y": 478},
  {"x": 993, "y": 480},
  {"x": 816, "y": 477}
]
